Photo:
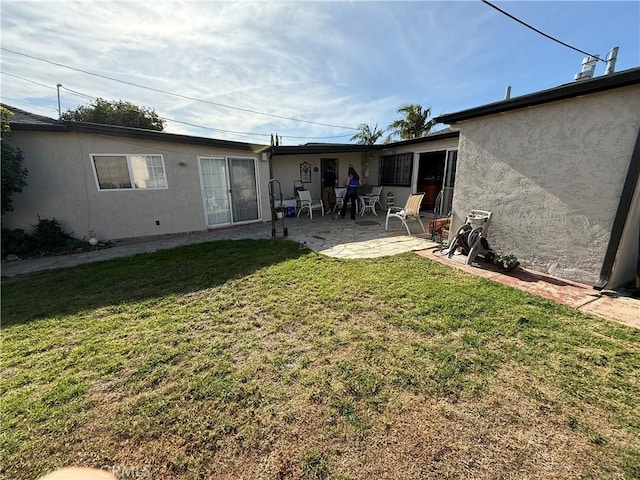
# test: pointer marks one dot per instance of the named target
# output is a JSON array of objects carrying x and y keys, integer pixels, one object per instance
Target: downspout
[{"x": 621, "y": 216}]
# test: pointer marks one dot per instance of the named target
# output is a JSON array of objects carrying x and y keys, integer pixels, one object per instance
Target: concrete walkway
[
  {"x": 363, "y": 238},
  {"x": 341, "y": 238}
]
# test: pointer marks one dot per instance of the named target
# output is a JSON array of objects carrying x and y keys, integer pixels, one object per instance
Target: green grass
[{"x": 252, "y": 359}]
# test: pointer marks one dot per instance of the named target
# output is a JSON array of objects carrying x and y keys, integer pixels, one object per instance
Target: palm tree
[
  {"x": 415, "y": 124},
  {"x": 366, "y": 136}
]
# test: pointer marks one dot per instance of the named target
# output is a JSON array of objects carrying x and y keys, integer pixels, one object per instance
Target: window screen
[{"x": 395, "y": 170}]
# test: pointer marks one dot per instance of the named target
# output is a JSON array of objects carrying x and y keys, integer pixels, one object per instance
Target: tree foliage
[
  {"x": 415, "y": 124},
  {"x": 116, "y": 112},
  {"x": 366, "y": 135},
  {"x": 13, "y": 173}
]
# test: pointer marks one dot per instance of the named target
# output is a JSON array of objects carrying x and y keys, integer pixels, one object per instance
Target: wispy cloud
[{"x": 339, "y": 63}]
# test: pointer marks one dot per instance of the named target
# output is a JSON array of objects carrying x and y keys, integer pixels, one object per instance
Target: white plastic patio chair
[
  {"x": 411, "y": 210},
  {"x": 310, "y": 204},
  {"x": 340, "y": 193}
]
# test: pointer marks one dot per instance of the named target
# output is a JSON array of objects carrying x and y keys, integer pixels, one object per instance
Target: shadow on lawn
[{"x": 137, "y": 278}]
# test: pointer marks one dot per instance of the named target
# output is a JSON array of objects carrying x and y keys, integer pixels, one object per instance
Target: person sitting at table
[{"x": 352, "y": 183}]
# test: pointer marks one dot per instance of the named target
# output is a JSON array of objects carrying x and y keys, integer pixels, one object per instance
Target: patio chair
[
  {"x": 310, "y": 204},
  {"x": 369, "y": 201},
  {"x": 340, "y": 193},
  {"x": 411, "y": 210}
]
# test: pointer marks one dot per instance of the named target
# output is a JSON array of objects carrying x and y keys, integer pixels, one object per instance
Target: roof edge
[
  {"x": 27, "y": 121},
  {"x": 320, "y": 148},
  {"x": 569, "y": 90},
  {"x": 116, "y": 130}
]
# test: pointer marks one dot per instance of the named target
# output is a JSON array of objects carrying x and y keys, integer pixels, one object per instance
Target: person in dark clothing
[
  {"x": 329, "y": 181},
  {"x": 352, "y": 183}
]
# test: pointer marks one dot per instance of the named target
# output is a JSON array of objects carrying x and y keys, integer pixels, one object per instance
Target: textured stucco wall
[
  {"x": 61, "y": 184},
  {"x": 552, "y": 175},
  {"x": 286, "y": 169}
]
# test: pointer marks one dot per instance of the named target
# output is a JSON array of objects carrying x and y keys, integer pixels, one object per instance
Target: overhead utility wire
[
  {"x": 203, "y": 126},
  {"x": 540, "y": 32},
  {"x": 17, "y": 100},
  {"x": 27, "y": 80},
  {"x": 89, "y": 97},
  {"x": 186, "y": 97}
]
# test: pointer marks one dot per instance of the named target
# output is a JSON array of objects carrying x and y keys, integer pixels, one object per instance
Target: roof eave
[
  {"x": 571, "y": 90},
  {"x": 129, "y": 132},
  {"x": 310, "y": 149}
]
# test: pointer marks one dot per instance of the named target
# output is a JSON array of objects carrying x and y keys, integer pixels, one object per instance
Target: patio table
[{"x": 365, "y": 204}]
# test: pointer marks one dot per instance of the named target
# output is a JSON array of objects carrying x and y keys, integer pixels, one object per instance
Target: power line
[
  {"x": 186, "y": 97},
  {"x": 80, "y": 94},
  {"x": 27, "y": 80},
  {"x": 540, "y": 32},
  {"x": 89, "y": 97},
  {"x": 248, "y": 134},
  {"x": 17, "y": 100}
]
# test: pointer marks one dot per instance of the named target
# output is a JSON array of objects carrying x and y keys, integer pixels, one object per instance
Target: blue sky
[{"x": 255, "y": 66}]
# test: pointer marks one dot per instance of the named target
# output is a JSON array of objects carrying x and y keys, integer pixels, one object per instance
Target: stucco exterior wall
[
  {"x": 286, "y": 169},
  {"x": 61, "y": 184},
  {"x": 552, "y": 175}
]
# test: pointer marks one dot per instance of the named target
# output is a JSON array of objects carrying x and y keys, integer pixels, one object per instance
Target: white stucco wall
[
  {"x": 286, "y": 169},
  {"x": 552, "y": 175},
  {"x": 61, "y": 184}
]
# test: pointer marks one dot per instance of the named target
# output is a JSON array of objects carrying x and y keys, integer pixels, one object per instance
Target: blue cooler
[{"x": 291, "y": 212}]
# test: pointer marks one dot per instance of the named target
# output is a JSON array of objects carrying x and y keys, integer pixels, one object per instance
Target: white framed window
[{"x": 129, "y": 172}]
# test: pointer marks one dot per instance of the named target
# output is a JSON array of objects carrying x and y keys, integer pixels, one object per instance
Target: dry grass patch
[{"x": 252, "y": 360}]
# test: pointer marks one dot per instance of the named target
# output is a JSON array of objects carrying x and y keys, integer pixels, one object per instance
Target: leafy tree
[
  {"x": 13, "y": 173},
  {"x": 367, "y": 136},
  {"x": 415, "y": 124},
  {"x": 117, "y": 112}
]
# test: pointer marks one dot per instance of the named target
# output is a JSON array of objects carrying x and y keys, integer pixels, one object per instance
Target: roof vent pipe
[
  {"x": 507, "y": 94},
  {"x": 588, "y": 67},
  {"x": 611, "y": 58}
]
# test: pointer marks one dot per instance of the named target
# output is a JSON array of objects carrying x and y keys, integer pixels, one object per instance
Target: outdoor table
[{"x": 365, "y": 205}]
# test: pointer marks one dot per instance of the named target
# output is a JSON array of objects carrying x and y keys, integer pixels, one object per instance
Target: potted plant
[{"x": 508, "y": 262}]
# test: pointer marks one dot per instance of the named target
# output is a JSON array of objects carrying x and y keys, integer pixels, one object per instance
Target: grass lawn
[{"x": 253, "y": 360}]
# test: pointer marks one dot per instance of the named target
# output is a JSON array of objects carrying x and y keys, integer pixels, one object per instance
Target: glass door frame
[{"x": 227, "y": 186}]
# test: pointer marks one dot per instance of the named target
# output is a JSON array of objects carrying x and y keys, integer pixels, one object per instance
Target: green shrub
[
  {"x": 50, "y": 238},
  {"x": 47, "y": 238},
  {"x": 17, "y": 242}
]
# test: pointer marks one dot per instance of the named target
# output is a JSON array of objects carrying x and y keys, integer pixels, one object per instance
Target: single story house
[
  {"x": 559, "y": 170},
  {"x": 424, "y": 164},
  {"x": 120, "y": 182}
]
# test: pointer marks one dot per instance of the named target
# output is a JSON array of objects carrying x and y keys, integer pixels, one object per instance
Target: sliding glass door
[{"x": 229, "y": 189}]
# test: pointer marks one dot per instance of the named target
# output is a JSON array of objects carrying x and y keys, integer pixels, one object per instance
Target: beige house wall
[
  {"x": 552, "y": 175},
  {"x": 61, "y": 184},
  {"x": 286, "y": 169}
]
